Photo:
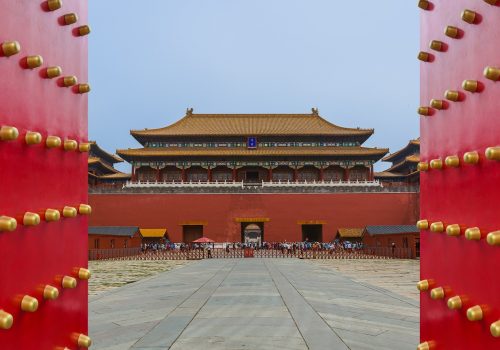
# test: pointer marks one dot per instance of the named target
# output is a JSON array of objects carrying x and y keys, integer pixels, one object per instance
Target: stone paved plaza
[{"x": 253, "y": 304}]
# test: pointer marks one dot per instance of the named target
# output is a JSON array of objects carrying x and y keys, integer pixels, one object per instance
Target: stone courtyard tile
[{"x": 254, "y": 304}]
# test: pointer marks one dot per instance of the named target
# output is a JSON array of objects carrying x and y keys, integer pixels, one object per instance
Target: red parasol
[{"x": 204, "y": 240}]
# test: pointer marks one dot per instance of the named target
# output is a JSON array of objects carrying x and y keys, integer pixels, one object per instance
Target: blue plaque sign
[{"x": 252, "y": 142}]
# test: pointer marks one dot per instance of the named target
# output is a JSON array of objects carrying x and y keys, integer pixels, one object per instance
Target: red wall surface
[
  {"x": 34, "y": 178},
  {"x": 283, "y": 210},
  {"x": 466, "y": 195}
]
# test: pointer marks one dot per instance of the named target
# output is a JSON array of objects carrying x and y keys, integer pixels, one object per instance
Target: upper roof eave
[{"x": 389, "y": 157}]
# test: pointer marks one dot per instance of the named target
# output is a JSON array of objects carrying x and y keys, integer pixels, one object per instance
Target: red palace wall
[
  {"x": 219, "y": 212},
  {"x": 34, "y": 177},
  {"x": 464, "y": 194}
]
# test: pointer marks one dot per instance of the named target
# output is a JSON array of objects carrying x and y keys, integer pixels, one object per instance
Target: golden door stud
[
  {"x": 10, "y": 48},
  {"x": 69, "y": 212},
  {"x": 428, "y": 345},
  {"x": 469, "y": 16},
  {"x": 452, "y": 95},
  {"x": 436, "y": 45},
  {"x": 6, "y": 320},
  {"x": 475, "y": 313},
  {"x": 33, "y": 62},
  {"x": 453, "y": 230},
  {"x": 83, "y": 88},
  {"x": 84, "y": 274},
  {"x": 8, "y": 133},
  {"x": 31, "y": 219},
  {"x": 438, "y": 104},
  {"x": 452, "y": 32},
  {"x": 33, "y": 138},
  {"x": 70, "y": 145},
  {"x": 29, "y": 304},
  {"x": 85, "y": 209},
  {"x": 452, "y": 161},
  {"x": 471, "y": 157},
  {"x": 424, "y": 4},
  {"x": 473, "y": 234},
  {"x": 492, "y": 153},
  {"x": 52, "y": 215},
  {"x": 422, "y": 224},
  {"x": 455, "y": 303},
  {"x": 84, "y": 147},
  {"x": 492, "y": 73},
  {"x": 50, "y": 292},
  {"x": 69, "y": 81},
  {"x": 494, "y": 329},
  {"x": 493, "y": 238},
  {"x": 84, "y": 341},
  {"x": 437, "y": 293},
  {"x": 70, "y": 18},
  {"x": 470, "y": 85},
  {"x": 83, "y": 30},
  {"x": 53, "y": 72},
  {"x": 423, "y": 285},
  {"x": 7, "y": 223},
  {"x": 437, "y": 227},
  {"x": 423, "y": 166},
  {"x": 54, "y": 4},
  {"x": 424, "y": 56},
  {"x": 436, "y": 164},
  {"x": 68, "y": 282},
  {"x": 425, "y": 111},
  {"x": 53, "y": 142}
]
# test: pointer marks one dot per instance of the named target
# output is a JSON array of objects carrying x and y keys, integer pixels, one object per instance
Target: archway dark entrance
[
  {"x": 312, "y": 233},
  {"x": 191, "y": 233},
  {"x": 252, "y": 232}
]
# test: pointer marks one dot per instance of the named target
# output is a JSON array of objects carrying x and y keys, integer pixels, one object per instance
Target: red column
[
  {"x": 209, "y": 171},
  {"x": 134, "y": 176},
  {"x": 183, "y": 175},
  {"x": 371, "y": 173},
  {"x": 158, "y": 175},
  {"x": 235, "y": 175},
  {"x": 295, "y": 174},
  {"x": 321, "y": 174},
  {"x": 346, "y": 174},
  {"x": 270, "y": 174}
]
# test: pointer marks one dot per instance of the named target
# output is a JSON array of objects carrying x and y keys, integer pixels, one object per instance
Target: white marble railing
[
  {"x": 242, "y": 184},
  {"x": 172, "y": 184},
  {"x": 332, "y": 183}
]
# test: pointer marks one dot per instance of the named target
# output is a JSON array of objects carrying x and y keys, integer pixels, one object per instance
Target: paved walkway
[{"x": 252, "y": 304}]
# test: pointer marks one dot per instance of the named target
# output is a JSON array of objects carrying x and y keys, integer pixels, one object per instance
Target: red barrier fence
[{"x": 198, "y": 254}]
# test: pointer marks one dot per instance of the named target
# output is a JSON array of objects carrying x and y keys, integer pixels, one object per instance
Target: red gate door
[
  {"x": 43, "y": 176},
  {"x": 460, "y": 139}
]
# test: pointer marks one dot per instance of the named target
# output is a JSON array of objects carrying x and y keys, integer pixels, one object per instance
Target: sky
[{"x": 355, "y": 61}]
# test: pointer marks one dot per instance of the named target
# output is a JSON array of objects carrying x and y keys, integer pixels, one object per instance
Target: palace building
[
  {"x": 253, "y": 178},
  {"x": 100, "y": 168},
  {"x": 404, "y": 165},
  {"x": 252, "y": 148}
]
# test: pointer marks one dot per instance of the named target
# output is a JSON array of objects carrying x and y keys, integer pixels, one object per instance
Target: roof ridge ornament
[
  {"x": 315, "y": 111},
  {"x": 189, "y": 111}
]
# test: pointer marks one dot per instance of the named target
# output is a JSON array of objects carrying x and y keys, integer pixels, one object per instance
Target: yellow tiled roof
[
  {"x": 110, "y": 157},
  {"x": 259, "y": 152},
  {"x": 415, "y": 142},
  {"x": 153, "y": 232},
  {"x": 95, "y": 160},
  {"x": 414, "y": 158},
  {"x": 350, "y": 232},
  {"x": 251, "y": 125}
]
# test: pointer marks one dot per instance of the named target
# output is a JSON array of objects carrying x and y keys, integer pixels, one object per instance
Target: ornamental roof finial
[
  {"x": 189, "y": 111},
  {"x": 315, "y": 111}
]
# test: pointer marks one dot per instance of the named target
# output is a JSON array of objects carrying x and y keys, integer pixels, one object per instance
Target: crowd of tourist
[{"x": 282, "y": 246}]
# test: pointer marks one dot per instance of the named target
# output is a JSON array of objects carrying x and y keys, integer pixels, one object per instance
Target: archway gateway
[{"x": 252, "y": 232}]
